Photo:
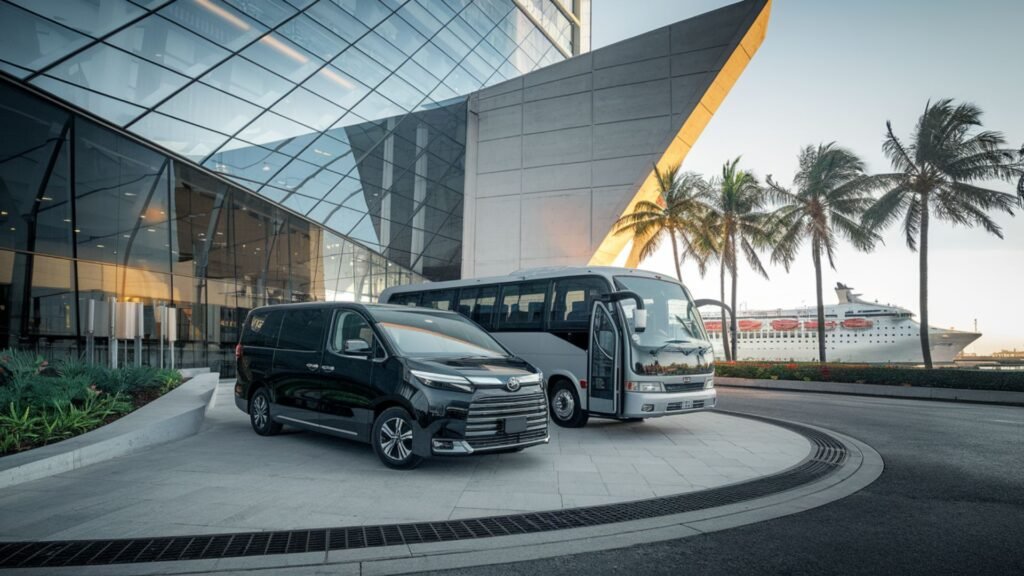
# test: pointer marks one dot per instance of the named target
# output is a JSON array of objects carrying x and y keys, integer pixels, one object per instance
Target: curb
[
  {"x": 174, "y": 416},
  {"x": 909, "y": 392},
  {"x": 862, "y": 466}
]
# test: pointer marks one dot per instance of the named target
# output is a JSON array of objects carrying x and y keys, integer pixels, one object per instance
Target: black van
[{"x": 413, "y": 382}]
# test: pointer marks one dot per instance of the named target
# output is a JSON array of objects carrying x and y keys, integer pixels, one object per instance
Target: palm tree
[
  {"x": 937, "y": 174},
  {"x": 832, "y": 194},
  {"x": 676, "y": 214},
  {"x": 737, "y": 210}
]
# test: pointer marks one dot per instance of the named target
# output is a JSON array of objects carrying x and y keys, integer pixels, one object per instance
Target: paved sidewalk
[{"x": 227, "y": 479}]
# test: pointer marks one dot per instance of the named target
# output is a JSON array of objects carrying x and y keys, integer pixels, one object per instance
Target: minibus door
[{"x": 603, "y": 361}]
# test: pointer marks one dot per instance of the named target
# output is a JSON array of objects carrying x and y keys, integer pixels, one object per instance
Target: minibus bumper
[{"x": 654, "y": 404}]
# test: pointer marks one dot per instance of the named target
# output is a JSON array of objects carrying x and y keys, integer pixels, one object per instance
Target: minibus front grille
[
  {"x": 684, "y": 387},
  {"x": 485, "y": 421},
  {"x": 508, "y": 439}
]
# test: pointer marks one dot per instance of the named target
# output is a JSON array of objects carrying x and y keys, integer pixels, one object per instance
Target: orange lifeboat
[
  {"x": 749, "y": 325},
  {"x": 713, "y": 325},
  {"x": 785, "y": 324},
  {"x": 813, "y": 325},
  {"x": 857, "y": 323}
]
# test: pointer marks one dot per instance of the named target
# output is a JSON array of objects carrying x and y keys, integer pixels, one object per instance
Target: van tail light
[
  {"x": 238, "y": 351},
  {"x": 583, "y": 384}
]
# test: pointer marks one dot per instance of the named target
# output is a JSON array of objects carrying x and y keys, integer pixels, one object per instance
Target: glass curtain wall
[{"x": 87, "y": 214}]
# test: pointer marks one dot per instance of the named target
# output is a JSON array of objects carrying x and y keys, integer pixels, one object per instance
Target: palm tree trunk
[
  {"x": 926, "y": 350},
  {"x": 816, "y": 250},
  {"x": 726, "y": 346},
  {"x": 735, "y": 327},
  {"x": 675, "y": 255}
]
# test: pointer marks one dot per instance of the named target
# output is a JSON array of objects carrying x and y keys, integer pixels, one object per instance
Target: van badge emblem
[{"x": 512, "y": 384}]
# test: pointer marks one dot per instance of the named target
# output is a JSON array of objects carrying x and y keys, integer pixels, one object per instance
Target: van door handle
[
  {"x": 312, "y": 366},
  {"x": 327, "y": 368}
]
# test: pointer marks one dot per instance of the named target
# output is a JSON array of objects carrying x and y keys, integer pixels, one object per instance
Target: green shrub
[{"x": 963, "y": 378}]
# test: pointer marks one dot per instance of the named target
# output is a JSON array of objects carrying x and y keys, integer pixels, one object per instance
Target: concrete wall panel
[
  {"x": 573, "y": 85},
  {"x": 498, "y": 155},
  {"x": 696, "y": 61},
  {"x": 501, "y": 122},
  {"x": 499, "y": 183},
  {"x": 650, "y": 45},
  {"x": 565, "y": 69},
  {"x": 565, "y": 220},
  {"x": 498, "y": 229},
  {"x": 654, "y": 69},
  {"x": 500, "y": 101},
  {"x": 645, "y": 136},
  {"x": 558, "y": 147},
  {"x": 558, "y": 177},
  {"x": 624, "y": 102},
  {"x": 557, "y": 113}
]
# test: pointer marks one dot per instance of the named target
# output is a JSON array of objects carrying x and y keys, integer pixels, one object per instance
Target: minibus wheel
[
  {"x": 392, "y": 439},
  {"x": 259, "y": 414},
  {"x": 565, "y": 406}
]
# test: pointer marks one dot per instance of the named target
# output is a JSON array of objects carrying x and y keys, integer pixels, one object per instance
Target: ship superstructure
[{"x": 855, "y": 331}]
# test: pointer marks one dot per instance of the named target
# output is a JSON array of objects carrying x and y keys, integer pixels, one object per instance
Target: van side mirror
[
  {"x": 357, "y": 346},
  {"x": 639, "y": 320}
]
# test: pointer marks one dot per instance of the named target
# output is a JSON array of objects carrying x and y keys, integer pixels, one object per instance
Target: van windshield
[{"x": 420, "y": 334}]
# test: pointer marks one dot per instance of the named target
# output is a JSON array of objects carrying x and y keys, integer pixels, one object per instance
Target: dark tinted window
[
  {"x": 425, "y": 334},
  {"x": 262, "y": 328},
  {"x": 573, "y": 301},
  {"x": 406, "y": 299},
  {"x": 350, "y": 325},
  {"x": 477, "y": 304},
  {"x": 522, "y": 306},
  {"x": 438, "y": 300},
  {"x": 302, "y": 329}
]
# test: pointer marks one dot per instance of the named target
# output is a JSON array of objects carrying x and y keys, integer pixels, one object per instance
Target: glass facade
[{"x": 301, "y": 149}]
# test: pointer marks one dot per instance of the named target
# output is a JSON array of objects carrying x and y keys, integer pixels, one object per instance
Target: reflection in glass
[
  {"x": 185, "y": 139},
  {"x": 269, "y": 12},
  {"x": 93, "y": 17},
  {"x": 273, "y": 131},
  {"x": 209, "y": 108},
  {"x": 369, "y": 12},
  {"x": 244, "y": 79},
  {"x": 253, "y": 163},
  {"x": 308, "y": 108},
  {"x": 108, "y": 70},
  {"x": 216, "y": 21},
  {"x": 337, "y": 20},
  {"x": 336, "y": 86},
  {"x": 112, "y": 110},
  {"x": 313, "y": 37},
  {"x": 280, "y": 55},
  {"x": 32, "y": 42},
  {"x": 163, "y": 42}
]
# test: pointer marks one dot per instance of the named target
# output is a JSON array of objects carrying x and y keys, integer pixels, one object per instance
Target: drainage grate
[{"x": 828, "y": 454}]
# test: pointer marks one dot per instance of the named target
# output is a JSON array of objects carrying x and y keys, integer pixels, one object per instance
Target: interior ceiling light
[
  {"x": 337, "y": 78},
  {"x": 223, "y": 14},
  {"x": 284, "y": 49}
]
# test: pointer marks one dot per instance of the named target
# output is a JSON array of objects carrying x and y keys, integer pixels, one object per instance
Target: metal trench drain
[{"x": 828, "y": 454}]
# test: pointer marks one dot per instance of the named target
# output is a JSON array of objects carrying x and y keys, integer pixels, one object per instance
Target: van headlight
[
  {"x": 537, "y": 378},
  {"x": 709, "y": 384},
  {"x": 443, "y": 381},
  {"x": 645, "y": 387}
]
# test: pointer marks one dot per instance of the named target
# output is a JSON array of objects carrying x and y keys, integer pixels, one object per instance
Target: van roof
[{"x": 367, "y": 307}]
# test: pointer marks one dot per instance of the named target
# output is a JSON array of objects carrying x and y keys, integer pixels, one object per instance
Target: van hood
[{"x": 501, "y": 368}]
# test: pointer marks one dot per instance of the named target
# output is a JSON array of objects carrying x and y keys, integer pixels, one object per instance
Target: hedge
[{"x": 963, "y": 378}]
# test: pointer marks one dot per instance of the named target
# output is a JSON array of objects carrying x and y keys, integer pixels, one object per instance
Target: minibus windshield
[
  {"x": 422, "y": 334},
  {"x": 674, "y": 341}
]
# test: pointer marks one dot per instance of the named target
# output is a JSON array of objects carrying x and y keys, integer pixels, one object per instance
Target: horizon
[{"x": 808, "y": 85}]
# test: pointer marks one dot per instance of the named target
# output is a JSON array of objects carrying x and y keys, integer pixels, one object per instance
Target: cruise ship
[{"x": 855, "y": 331}]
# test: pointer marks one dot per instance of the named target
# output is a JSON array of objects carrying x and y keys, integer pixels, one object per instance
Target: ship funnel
[{"x": 844, "y": 293}]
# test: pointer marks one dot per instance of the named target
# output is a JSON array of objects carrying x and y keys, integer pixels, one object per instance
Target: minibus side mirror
[
  {"x": 357, "y": 346},
  {"x": 639, "y": 320}
]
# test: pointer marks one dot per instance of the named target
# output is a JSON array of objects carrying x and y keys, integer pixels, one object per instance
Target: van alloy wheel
[
  {"x": 260, "y": 413},
  {"x": 396, "y": 439}
]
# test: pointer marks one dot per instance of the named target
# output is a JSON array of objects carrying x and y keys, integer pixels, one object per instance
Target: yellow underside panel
[{"x": 613, "y": 244}]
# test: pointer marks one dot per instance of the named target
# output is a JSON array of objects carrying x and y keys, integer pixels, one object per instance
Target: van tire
[
  {"x": 260, "y": 416},
  {"x": 395, "y": 453},
  {"x": 564, "y": 406}
]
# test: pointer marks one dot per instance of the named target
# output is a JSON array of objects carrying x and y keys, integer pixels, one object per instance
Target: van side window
[
  {"x": 262, "y": 329},
  {"x": 438, "y": 300},
  {"x": 405, "y": 299},
  {"x": 573, "y": 301},
  {"x": 302, "y": 329},
  {"x": 348, "y": 326},
  {"x": 477, "y": 304},
  {"x": 522, "y": 306}
]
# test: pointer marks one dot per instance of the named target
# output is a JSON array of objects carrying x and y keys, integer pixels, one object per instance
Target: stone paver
[{"x": 228, "y": 479}]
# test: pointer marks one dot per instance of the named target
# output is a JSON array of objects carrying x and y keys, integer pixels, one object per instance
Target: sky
[{"x": 836, "y": 71}]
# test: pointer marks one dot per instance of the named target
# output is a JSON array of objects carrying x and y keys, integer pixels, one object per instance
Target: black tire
[
  {"x": 392, "y": 439},
  {"x": 260, "y": 416},
  {"x": 564, "y": 405}
]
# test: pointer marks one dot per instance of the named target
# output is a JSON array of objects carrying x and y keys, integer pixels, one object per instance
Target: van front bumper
[
  {"x": 655, "y": 404},
  {"x": 452, "y": 447}
]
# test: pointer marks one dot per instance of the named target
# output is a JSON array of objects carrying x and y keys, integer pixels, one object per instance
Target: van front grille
[
  {"x": 684, "y": 387},
  {"x": 485, "y": 422}
]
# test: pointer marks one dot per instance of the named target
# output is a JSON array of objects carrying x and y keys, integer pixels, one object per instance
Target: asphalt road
[{"x": 950, "y": 501}]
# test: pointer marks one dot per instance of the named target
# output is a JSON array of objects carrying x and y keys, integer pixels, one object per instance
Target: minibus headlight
[
  {"x": 709, "y": 384},
  {"x": 645, "y": 387},
  {"x": 443, "y": 381}
]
